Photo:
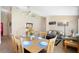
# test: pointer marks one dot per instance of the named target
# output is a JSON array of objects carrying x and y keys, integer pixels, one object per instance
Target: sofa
[{"x": 52, "y": 34}]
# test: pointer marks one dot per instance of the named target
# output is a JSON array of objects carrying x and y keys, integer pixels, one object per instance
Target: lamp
[{"x": 65, "y": 24}]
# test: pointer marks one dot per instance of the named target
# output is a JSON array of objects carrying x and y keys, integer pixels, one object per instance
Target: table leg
[
  {"x": 78, "y": 50},
  {"x": 65, "y": 47}
]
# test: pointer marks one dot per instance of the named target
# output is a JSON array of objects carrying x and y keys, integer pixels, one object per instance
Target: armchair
[{"x": 52, "y": 34}]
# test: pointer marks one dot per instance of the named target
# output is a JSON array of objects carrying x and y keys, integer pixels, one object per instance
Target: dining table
[{"x": 35, "y": 45}]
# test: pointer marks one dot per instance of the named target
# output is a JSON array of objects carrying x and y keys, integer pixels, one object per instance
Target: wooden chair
[
  {"x": 17, "y": 44},
  {"x": 43, "y": 34},
  {"x": 51, "y": 44},
  {"x": 13, "y": 43}
]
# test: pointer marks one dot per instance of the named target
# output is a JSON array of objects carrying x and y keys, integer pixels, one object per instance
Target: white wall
[
  {"x": 20, "y": 18},
  {"x": 18, "y": 21},
  {"x": 71, "y": 19},
  {"x": 38, "y": 23},
  {"x": 78, "y": 25}
]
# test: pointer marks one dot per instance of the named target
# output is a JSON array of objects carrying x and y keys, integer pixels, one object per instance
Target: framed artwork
[
  {"x": 52, "y": 23},
  {"x": 62, "y": 24},
  {"x": 59, "y": 24}
]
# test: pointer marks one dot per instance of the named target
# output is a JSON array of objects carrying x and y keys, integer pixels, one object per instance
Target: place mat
[
  {"x": 42, "y": 46},
  {"x": 26, "y": 44}
]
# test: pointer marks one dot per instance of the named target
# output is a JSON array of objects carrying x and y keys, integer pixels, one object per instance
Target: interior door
[{"x": 6, "y": 20}]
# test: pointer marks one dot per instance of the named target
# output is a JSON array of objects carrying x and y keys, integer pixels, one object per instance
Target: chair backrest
[
  {"x": 13, "y": 43},
  {"x": 51, "y": 43},
  {"x": 17, "y": 44},
  {"x": 43, "y": 34}
]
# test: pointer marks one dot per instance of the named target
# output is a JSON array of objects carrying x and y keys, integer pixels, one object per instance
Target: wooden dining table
[{"x": 34, "y": 47}]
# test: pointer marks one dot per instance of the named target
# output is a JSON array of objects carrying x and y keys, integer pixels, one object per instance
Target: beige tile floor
[
  {"x": 6, "y": 46},
  {"x": 59, "y": 49}
]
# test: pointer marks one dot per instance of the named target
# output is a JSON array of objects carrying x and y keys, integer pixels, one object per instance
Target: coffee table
[{"x": 72, "y": 43}]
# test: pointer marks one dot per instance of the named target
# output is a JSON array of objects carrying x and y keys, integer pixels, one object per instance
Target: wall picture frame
[
  {"x": 52, "y": 23},
  {"x": 62, "y": 24}
]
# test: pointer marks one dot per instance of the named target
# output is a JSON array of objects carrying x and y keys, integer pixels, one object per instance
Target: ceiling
[
  {"x": 54, "y": 10},
  {"x": 50, "y": 10}
]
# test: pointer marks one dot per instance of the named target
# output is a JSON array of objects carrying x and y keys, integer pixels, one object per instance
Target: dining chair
[
  {"x": 43, "y": 34},
  {"x": 13, "y": 43},
  {"x": 17, "y": 44},
  {"x": 51, "y": 44}
]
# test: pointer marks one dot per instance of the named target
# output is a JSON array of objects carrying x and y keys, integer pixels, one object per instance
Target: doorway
[{"x": 6, "y": 20}]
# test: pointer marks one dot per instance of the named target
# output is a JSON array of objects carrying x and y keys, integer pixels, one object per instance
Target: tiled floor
[
  {"x": 59, "y": 48},
  {"x": 6, "y": 47}
]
